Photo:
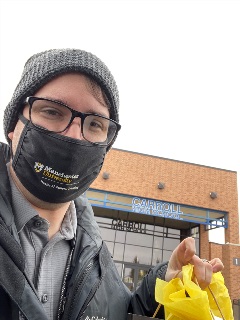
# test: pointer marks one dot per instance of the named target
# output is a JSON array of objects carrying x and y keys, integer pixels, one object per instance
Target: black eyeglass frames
[{"x": 56, "y": 116}]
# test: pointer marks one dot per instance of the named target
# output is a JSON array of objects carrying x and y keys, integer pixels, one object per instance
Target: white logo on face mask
[{"x": 38, "y": 166}]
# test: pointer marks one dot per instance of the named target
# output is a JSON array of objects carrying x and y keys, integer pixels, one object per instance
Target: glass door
[{"x": 133, "y": 274}]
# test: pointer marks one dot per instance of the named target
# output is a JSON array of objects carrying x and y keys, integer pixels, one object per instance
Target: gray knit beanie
[{"x": 44, "y": 66}]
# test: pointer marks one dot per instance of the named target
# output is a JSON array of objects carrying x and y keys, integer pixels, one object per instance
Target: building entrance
[
  {"x": 137, "y": 242},
  {"x": 133, "y": 273}
]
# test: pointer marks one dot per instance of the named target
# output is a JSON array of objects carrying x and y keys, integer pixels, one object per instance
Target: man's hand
[{"x": 184, "y": 254}]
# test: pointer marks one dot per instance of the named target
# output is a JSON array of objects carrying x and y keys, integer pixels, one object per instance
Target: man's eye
[
  {"x": 51, "y": 112},
  {"x": 96, "y": 125}
]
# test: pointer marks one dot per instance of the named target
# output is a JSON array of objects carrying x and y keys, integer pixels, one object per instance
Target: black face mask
[{"x": 55, "y": 168}]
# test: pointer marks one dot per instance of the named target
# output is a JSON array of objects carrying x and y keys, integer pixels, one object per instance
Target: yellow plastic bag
[{"x": 184, "y": 299}]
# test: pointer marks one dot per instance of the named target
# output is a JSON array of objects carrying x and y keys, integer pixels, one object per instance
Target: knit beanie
[{"x": 44, "y": 66}]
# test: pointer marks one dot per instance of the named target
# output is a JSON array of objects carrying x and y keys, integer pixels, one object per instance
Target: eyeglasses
[{"x": 57, "y": 117}]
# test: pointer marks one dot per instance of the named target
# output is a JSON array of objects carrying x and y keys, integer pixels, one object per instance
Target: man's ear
[{"x": 10, "y": 135}]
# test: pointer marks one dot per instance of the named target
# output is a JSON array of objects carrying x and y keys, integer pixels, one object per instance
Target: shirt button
[
  {"x": 44, "y": 298},
  {"x": 38, "y": 223}
]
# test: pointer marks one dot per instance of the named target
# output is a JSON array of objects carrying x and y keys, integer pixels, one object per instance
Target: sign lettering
[
  {"x": 157, "y": 208},
  {"x": 132, "y": 226}
]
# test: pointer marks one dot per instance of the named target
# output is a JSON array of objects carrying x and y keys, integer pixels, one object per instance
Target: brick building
[{"x": 145, "y": 205}]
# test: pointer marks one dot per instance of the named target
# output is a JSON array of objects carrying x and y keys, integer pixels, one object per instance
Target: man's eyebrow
[
  {"x": 57, "y": 100},
  {"x": 90, "y": 110}
]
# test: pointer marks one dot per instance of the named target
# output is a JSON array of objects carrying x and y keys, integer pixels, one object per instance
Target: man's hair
[{"x": 44, "y": 66}]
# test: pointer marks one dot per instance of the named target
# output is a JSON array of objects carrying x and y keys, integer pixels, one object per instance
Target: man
[{"x": 61, "y": 121}]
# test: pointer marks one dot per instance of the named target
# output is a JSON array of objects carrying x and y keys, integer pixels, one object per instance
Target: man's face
[{"x": 74, "y": 90}]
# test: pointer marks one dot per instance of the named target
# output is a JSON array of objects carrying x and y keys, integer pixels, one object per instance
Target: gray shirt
[{"x": 45, "y": 259}]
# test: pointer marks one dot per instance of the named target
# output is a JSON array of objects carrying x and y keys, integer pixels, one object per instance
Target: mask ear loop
[{"x": 11, "y": 151}]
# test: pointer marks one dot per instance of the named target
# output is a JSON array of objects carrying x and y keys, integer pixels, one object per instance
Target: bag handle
[{"x": 215, "y": 300}]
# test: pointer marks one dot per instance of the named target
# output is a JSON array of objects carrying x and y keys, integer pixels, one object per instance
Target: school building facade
[{"x": 145, "y": 205}]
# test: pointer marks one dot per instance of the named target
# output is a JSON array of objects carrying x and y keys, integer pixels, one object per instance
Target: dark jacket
[{"x": 94, "y": 287}]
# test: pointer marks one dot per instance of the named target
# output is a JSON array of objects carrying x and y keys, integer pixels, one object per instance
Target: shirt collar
[{"x": 69, "y": 223}]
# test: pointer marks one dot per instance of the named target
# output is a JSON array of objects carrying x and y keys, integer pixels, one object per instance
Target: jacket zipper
[
  {"x": 63, "y": 289},
  {"x": 81, "y": 281},
  {"x": 89, "y": 298}
]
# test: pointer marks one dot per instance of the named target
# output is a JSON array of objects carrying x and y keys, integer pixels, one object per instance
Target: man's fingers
[
  {"x": 189, "y": 249},
  {"x": 181, "y": 256},
  {"x": 203, "y": 271},
  {"x": 216, "y": 264}
]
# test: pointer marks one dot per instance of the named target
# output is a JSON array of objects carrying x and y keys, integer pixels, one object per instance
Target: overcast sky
[{"x": 176, "y": 63}]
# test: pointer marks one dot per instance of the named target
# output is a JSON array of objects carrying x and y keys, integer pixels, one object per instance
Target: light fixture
[
  {"x": 213, "y": 195},
  {"x": 161, "y": 185},
  {"x": 105, "y": 175}
]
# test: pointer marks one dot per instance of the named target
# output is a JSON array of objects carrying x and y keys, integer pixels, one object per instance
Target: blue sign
[{"x": 157, "y": 208}]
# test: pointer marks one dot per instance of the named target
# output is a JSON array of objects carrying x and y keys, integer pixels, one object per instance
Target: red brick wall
[
  {"x": 231, "y": 272},
  {"x": 204, "y": 247},
  {"x": 215, "y": 251}
]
